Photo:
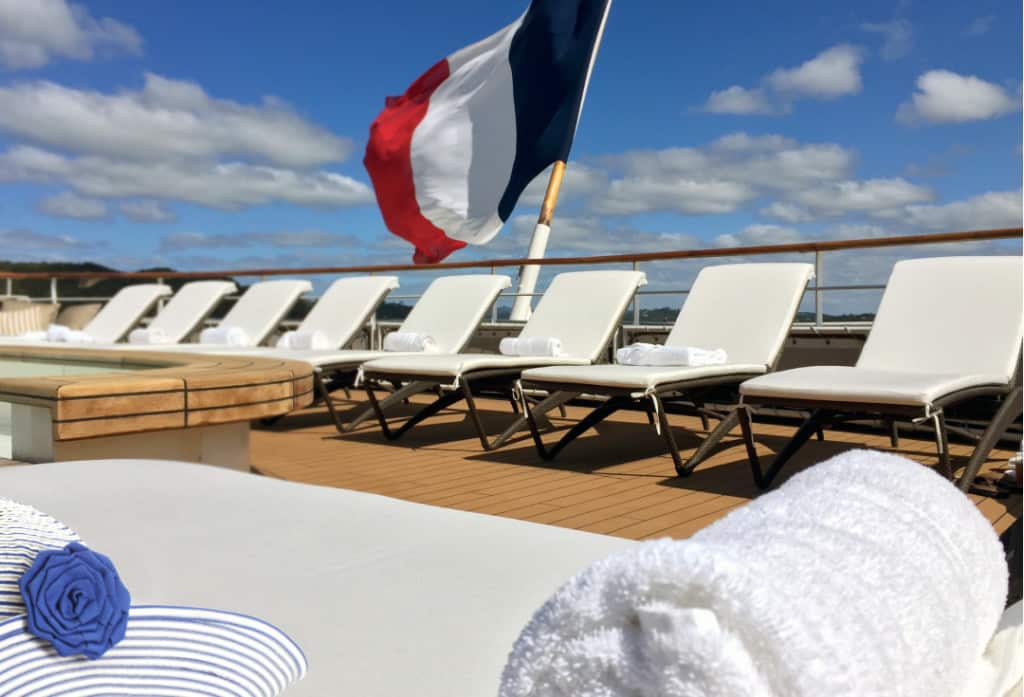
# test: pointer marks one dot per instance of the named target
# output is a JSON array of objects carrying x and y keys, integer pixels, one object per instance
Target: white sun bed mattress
[{"x": 385, "y": 597}]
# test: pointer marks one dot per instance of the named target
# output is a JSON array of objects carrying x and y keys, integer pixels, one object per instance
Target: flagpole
[{"x": 521, "y": 308}]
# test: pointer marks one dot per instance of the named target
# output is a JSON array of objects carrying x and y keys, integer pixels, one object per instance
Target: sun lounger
[
  {"x": 449, "y": 311},
  {"x": 345, "y": 308},
  {"x": 185, "y": 312},
  {"x": 250, "y": 320},
  {"x": 115, "y": 319},
  {"x": 745, "y": 309},
  {"x": 947, "y": 330},
  {"x": 385, "y": 597},
  {"x": 580, "y": 309}
]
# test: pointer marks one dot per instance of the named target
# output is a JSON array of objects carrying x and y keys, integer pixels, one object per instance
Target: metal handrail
[{"x": 817, "y": 289}]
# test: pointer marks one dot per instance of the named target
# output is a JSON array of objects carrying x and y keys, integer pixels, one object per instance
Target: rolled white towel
[
  {"x": 34, "y": 336},
  {"x": 410, "y": 342},
  {"x": 149, "y": 335},
  {"x": 866, "y": 575},
  {"x": 531, "y": 346},
  {"x": 225, "y": 336},
  {"x": 304, "y": 341},
  {"x": 58, "y": 333},
  {"x": 658, "y": 355}
]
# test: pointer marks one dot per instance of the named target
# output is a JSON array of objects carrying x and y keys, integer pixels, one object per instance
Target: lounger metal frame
[
  {"x": 502, "y": 380},
  {"x": 688, "y": 396},
  {"x": 826, "y": 413}
]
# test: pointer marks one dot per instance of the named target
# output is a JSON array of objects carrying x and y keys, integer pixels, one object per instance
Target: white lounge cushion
[
  {"x": 862, "y": 385},
  {"x": 455, "y": 364},
  {"x": 263, "y": 305},
  {"x": 385, "y": 597},
  {"x": 452, "y": 307},
  {"x": 639, "y": 377},
  {"x": 123, "y": 311},
  {"x": 657, "y": 355},
  {"x": 345, "y": 307},
  {"x": 188, "y": 308}
]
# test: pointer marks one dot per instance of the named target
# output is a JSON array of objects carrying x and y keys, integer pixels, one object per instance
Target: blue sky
[{"x": 227, "y": 134}]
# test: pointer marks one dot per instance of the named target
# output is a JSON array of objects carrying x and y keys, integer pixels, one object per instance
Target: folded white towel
[
  {"x": 304, "y": 341},
  {"x": 154, "y": 335},
  {"x": 655, "y": 354},
  {"x": 225, "y": 336},
  {"x": 410, "y": 342},
  {"x": 865, "y": 575},
  {"x": 532, "y": 346},
  {"x": 61, "y": 334}
]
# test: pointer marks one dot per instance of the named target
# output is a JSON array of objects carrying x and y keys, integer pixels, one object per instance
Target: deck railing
[{"x": 818, "y": 248}]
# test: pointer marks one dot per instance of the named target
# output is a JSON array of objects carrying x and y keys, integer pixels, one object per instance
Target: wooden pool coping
[{"x": 156, "y": 390}]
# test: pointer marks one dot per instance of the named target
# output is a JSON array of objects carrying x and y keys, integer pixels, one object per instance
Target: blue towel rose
[{"x": 75, "y": 600}]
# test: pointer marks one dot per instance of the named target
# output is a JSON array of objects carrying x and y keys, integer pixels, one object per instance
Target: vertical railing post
[
  {"x": 636, "y": 299},
  {"x": 10, "y": 286},
  {"x": 819, "y": 308},
  {"x": 53, "y": 289}
]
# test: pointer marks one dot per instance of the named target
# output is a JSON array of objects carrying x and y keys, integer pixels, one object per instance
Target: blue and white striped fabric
[
  {"x": 166, "y": 651},
  {"x": 24, "y": 533}
]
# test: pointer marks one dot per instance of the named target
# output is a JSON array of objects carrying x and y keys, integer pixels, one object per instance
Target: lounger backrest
[
  {"x": 189, "y": 307},
  {"x": 262, "y": 307},
  {"x": 958, "y": 315},
  {"x": 452, "y": 307},
  {"x": 123, "y": 311},
  {"x": 582, "y": 310},
  {"x": 346, "y": 306},
  {"x": 746, "y": 309}
]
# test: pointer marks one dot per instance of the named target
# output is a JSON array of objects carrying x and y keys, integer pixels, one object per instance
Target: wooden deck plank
[{"x": 616, "y": 480}]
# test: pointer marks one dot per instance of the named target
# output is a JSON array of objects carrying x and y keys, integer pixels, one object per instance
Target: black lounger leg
[
  {"x": 942, "y": 445},
  {"x": 610, "y": 406},
  {"x": 446, "y": 399},
  {"x": 807, "y": 429},
  {"x": 1004, "y": 416},
  {"x": 325, "y": 394},
  {"x": 706, "y": 446},
  {"x": 467, "y": 394}
]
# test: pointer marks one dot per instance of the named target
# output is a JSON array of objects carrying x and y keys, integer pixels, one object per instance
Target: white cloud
[
  {"x": 994, "y": 209},
  {"x": 227, "y": 186},
  {"x": 721, "y": 176},
  {"x": 980, "y": 26},
  {"x": 71, "y": 205},
  {"x": 946, "y": 97},
  {"x": 177, "y": 242},
  {"x": 34, "y": 32},
  {"x": 575, "y": 236},
  {"x": 787, "y": 212},
  {"x": 832, "y": 73},
  {"x": 754, "y": 235},
  {"x": 867, "y": 196},
  {"x": 166, "y": 119},
  {"x": 147, "y": 211},
  {"x": 579, "y": 180},
  {"x": 739, "y": 100},
  {"x": 679, "y": 194},
  {"x": 897, "y": 35}
]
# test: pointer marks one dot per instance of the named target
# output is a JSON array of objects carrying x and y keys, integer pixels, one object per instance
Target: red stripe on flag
[{"x": 389, "y": 164}]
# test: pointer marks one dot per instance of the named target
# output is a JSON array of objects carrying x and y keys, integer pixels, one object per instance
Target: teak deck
[{"x": 618, "y": 480}]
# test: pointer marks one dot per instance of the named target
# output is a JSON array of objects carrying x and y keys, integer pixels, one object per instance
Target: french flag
[{"x": 449, "y": 158}]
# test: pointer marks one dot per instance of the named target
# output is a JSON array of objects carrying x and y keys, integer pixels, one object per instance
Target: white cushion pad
[
  {"x": 456, "y": 364},
  {"x": 862, "y": 385},
  {"x": 385, "y": 597},
  {"x": 639, "y": 377}
]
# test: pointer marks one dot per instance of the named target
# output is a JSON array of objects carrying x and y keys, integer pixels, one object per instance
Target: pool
[{"x": 72, "y": 403}]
